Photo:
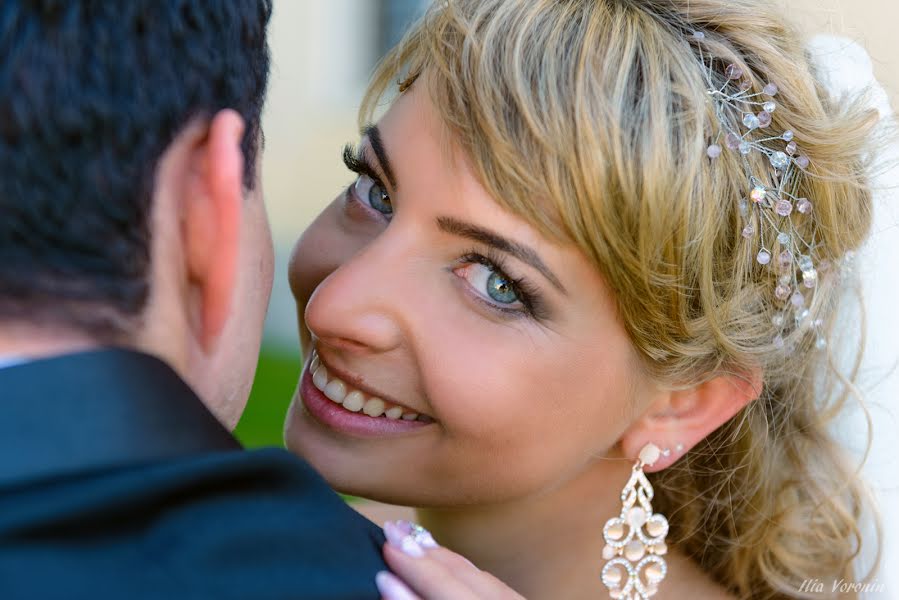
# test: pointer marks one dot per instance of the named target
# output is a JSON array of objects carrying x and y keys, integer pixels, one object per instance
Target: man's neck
[{"x": 20, "y": 342}]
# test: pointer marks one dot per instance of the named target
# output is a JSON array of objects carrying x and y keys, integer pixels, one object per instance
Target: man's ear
[
  {"x": 677, "y": 420},
  {"x": 211, "y": 223}
]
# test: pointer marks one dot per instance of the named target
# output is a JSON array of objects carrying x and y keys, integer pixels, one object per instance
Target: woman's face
[{"x": 415, "y": 288}]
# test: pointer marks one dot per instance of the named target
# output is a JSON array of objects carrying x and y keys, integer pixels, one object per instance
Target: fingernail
[
  {"x": 426, "y": 540},
  {"x": 411, "y": 547},
  {"x": 401, "y": 541},
  {"x": 404, "y": 526},
  {"x": 392, "y": 588},
  {"x": 418, "y": 533},
  {"x": 393, "y": 534}
]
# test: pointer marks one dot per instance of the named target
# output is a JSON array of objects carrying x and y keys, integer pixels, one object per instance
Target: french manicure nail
[
  {"x": 399, "y": 540},
  {"x": 426, "y": 540},
  {"x": 418, "y": 533},
  {"x": 405, "y": 526},
  {"x": 394, "y": 535},
  {"x": 411, "y": 548},
  {"x": 392, "y": 588}
]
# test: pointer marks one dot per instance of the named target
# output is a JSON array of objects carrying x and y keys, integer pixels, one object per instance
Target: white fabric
[
  {"x": 10, "y": 361},
  {"x": 846, "y": 67}
]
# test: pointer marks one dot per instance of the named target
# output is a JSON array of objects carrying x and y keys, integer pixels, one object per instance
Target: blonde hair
[{"x": 590, "y": 120}]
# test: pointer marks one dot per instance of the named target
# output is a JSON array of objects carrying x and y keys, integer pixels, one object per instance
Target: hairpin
[{"x": 773, "y": 201}]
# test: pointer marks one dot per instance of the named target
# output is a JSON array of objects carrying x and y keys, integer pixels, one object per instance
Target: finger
[
  {"x": 392, "y": 588},
  {"x": 482, "y": 583},
  {"x": 417, "y": 542},
  {"x": 425, "y": 576},
  {"x": 452, "y": 560}
]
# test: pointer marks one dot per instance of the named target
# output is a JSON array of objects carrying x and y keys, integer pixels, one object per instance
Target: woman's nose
[{"x": 357, "y": 306}]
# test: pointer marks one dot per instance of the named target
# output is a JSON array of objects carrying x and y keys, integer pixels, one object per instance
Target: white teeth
[
  {"x": 354, "y": 401},
  {"x": 374, "y": 407},
  {"x": 320, "y": 378},
  {"x": 335, "y": 390}
]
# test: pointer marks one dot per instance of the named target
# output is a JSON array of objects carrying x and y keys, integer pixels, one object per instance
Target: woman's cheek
[{"x": 478, "y": 392}]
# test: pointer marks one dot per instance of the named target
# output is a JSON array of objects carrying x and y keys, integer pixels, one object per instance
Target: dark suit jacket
[{"x": 116, "y": 482}]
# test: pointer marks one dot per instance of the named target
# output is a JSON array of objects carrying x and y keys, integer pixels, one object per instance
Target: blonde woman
[{"x": 556, "y": 273}]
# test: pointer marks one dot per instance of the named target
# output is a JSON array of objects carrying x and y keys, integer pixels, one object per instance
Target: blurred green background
[{"x": 276, "y": 379}]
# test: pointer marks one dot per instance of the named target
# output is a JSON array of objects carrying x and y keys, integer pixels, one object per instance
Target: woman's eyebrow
[
  {"x": 374, "y": 138},
  {"x": 471, "y": 231},
  {"x": 523, "y": 253}
]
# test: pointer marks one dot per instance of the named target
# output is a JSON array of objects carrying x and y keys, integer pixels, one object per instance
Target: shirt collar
[
  {"x": 10, "y": 361},
  {"x": 99, "y": 409}
]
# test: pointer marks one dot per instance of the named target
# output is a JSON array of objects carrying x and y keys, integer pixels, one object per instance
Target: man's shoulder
[
  {"x": 258, "y": 523},
  {"x": 269, "y": 483}
]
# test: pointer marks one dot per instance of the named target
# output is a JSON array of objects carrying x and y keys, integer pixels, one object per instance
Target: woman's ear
[{"x": 677, "y": 420}]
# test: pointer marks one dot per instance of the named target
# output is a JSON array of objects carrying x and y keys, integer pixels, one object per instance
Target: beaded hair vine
[{"x": 773, "y": 198}]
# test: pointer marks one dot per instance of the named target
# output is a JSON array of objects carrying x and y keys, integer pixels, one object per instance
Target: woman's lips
[
  {"x": 355, "y": 397},
  {"x": 336, "y": 417}
]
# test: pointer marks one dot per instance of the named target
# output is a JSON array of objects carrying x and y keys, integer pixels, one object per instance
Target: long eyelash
[
  {"x": 356, "y": 161},
  {"x": 526, "y": 292}
]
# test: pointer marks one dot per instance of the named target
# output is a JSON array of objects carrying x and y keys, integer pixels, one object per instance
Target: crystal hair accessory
[
  {"x": 773, "y": 201},
  {"x": 635, "y": 539}
]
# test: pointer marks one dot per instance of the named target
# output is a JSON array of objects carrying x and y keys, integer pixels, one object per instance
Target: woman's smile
[{"x": 353, "y": 409}]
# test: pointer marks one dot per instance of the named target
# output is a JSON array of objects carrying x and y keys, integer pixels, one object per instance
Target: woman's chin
[{"x": 341, "y": 463}]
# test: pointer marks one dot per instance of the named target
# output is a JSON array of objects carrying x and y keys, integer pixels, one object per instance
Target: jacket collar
[{"x": 99, "y": 409}]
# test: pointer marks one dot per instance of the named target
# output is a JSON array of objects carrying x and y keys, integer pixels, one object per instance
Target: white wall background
[{"x": 848, "y": 69}]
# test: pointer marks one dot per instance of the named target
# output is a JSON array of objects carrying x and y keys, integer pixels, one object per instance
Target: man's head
[{"x": 130, "y": 203}]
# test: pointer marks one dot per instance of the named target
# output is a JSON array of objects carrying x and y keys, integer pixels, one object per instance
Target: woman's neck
[
  {"x": 551, "y": 546},
  {"x": 539, "y": 543}
]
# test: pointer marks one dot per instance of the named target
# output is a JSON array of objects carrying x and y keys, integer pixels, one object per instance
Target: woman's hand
[{"x": 426, "y": 571}]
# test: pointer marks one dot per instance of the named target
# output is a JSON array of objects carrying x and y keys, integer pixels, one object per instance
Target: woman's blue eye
[
  {"x": 372, "y": 191},
  {"x": 486, "y": 277},
  {"x": 500, "y": 289},
  {"x": 489, "y": 283}
]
